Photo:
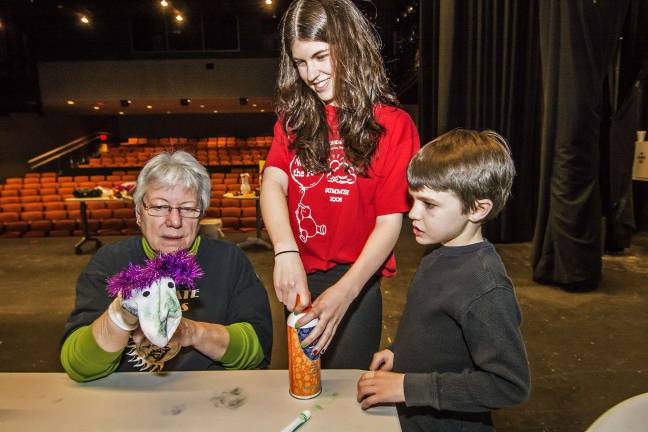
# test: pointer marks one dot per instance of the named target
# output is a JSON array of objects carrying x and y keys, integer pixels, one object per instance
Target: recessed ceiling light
[
  {"x": 179, "y": 18},
  {"x": 262, "y": 110},
  {"x": 164, "y": 3},
  {"x": 215, "y": 111},
  {"x": 121, "y": 112},
  {"x": 85, "y": 20},
  {"x": 254, "y": 105},
  {"x": 149, "y": 106},
  {"x": 268, "y": 2},
  {"x": 202, "y": 106},
  {"x": 95, "y": 107},
  {"x": 70, "y": 102}
]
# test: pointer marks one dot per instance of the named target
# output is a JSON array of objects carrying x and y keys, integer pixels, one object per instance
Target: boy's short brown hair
[{"x": 474, "y": 165}]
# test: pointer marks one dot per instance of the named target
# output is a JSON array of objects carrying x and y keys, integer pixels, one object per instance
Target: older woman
[{"x": 226, "y": 321}]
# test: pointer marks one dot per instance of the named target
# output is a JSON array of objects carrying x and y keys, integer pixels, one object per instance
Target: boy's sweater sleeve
[{"x": 501, "y": 375}]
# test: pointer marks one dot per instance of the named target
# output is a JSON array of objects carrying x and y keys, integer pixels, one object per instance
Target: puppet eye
[
  {"x": 146, "y": 293},
  {"x": 171, "y": 285}
]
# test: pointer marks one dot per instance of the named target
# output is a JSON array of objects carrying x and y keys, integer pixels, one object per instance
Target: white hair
[{"x": 174, "y": 169}]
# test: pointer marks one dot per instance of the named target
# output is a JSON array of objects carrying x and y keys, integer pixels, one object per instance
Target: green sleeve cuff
[
  {"x": 84, "y": 360},
  {"x": 244, "y": 350}
]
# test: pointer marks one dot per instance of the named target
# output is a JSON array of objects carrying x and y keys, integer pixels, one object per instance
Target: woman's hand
[
  {"x": 210, "y": 339},
  {"x": 289, "y": 280},
  {"x": 382, "y": 360},
  {"x": 377, "y": 387},
  {"x": 330, "y": 308}
]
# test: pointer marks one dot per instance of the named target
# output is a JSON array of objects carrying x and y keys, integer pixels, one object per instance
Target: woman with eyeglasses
[{"x": 226, "y": 321}]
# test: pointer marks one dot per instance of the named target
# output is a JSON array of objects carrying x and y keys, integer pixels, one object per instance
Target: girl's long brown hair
[{"x": 359, "y": 76}]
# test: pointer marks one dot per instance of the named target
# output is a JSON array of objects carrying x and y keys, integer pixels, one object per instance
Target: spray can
[{"x": 303, "y": 367}]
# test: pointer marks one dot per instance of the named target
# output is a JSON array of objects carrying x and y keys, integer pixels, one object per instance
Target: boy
[{"x": 458, "y": 351}]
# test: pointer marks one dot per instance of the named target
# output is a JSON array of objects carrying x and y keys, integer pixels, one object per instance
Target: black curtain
[
  {"x": 627, "y": 82},
  {"x": 490, "y": 79},
  {"x": 577, "y": 43}
]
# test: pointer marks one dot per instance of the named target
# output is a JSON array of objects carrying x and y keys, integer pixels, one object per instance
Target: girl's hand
[
  {"x": 289, "y": 280},
  {"x": 382, "y": 360},
  {"x": 378, "y": 387},
  {"x": 330, "y": 308}
]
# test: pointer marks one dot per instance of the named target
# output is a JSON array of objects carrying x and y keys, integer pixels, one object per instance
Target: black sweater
[
  {"x": 459, "y": 342},
  {"x": 229, "y": 292}
]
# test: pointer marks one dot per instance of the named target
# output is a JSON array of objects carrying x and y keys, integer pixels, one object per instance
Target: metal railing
[{"x": 64, "y": 149}]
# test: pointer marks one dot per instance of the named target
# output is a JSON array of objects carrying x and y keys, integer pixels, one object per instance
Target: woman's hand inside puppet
[{"x": 147, "y": 294}]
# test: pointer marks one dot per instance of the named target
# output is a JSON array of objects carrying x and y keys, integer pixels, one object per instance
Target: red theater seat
[
  {"x": 100, "y": 214},
  {"x": 52, "y": 198},
  {"x": 30, "y": 199},
  {"x": 12, "y": 208},
  {"x": 231, "y": 212},
  {"x": 117, "y": 204},
  {"x": 33, "y": 207},
  {"x": 230, "y": 202},
  {"x": 54, "y": 206},
  {"x": 213, "y": 212},
  {"x": 28, "y": 216},
  {"x": 248, "y": 212},
  {"x": 9, "y": 200}
]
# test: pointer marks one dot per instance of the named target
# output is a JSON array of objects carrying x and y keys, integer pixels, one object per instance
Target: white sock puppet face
[
  {"x": 149, "y": 292},
  {"x": 157, "y": 309}
]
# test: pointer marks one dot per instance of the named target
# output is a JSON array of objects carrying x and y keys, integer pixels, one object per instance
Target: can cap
[{"x": 293, "y": 318}]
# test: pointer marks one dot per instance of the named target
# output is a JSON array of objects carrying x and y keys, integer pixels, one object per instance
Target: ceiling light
[
  {"x": 202, "y": 106},
  {"x": 215, "y": 111},
  {"x": 149, "y": 106},
  {"x": 85, "y": 20},
  {"x": 262, "y": 110},
  {"x": 179, "y": 18},
  {"x": 268, "y": 2},
  {"x": 168, "y": 112},
  {"x": 70, "y": 102},
  {"x": 121, "y": 112},
  {"x": 164, "y": 3},
  {"x": 254, "y": 105},
  {"x": 95, "y": 107}
]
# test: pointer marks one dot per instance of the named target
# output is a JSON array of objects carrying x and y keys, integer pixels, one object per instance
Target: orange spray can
[{"x": 303, "y": 366}]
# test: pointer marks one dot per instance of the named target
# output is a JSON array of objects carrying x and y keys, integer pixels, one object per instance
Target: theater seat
[
  {"x": 230, "y": 223},
  {"x": 234, "y": 212},
  {"x": 213, "y": 212}
]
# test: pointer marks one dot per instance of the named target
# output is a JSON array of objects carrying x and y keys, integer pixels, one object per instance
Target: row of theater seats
[
  {"x": 204, "y": 143},
  {"x": 36, "y": 206},
  {"x": 224, "y": 151}
]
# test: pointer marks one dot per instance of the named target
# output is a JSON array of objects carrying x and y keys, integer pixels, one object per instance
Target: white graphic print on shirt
[{"x": 341, "y": 173}]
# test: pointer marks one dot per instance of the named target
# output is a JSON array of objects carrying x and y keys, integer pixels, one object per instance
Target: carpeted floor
[{"x": 587, "y": 351}]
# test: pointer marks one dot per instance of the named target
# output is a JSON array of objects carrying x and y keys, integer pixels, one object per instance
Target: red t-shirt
[{"x": 332, "y": 214}]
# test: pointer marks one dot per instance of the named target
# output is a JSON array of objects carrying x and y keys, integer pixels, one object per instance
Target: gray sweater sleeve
[{"x": 500, "y": 378}]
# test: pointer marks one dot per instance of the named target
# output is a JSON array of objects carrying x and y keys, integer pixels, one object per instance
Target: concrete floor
[{"x": 587, "y": 351}]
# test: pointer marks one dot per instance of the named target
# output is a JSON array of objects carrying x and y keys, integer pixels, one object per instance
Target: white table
[{"x": 183, "y": 401}]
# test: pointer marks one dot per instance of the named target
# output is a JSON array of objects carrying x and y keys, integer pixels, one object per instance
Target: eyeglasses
[{"x": 165, "y": 210}]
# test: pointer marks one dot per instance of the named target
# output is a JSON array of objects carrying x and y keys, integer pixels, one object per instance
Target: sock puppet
[{"x": 147, "y": 294}]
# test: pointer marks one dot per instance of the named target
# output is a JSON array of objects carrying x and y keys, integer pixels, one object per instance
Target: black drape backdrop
[
  {"x": 539, "y": 72},
  {"x": 577, "y": 45},
  {"x": 489, "y": 79}
]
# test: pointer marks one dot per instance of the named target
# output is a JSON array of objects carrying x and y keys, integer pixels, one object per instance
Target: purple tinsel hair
[{"x": 179, "y": 266}]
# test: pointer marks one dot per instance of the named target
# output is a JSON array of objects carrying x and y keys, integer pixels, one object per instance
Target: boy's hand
[
  {"x": 382, "y": 360},
  {"x": 375, "y": 387}
]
